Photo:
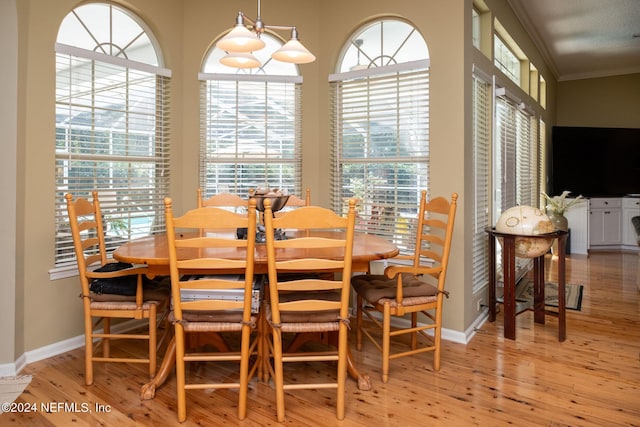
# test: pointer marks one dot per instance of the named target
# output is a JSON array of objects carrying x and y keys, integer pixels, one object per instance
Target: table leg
[
  {"x": 562, "y": 321},
  {"x": 168, "y": 362},
  {"x": 538, "y": 290},
  {"x": 509, "y": 298},
  {"x": 364, "y": 382},
  {"x": 492, "y": 278}
]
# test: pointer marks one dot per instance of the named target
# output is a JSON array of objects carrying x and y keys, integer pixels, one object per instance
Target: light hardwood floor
[{"x": 591, "y": 379}]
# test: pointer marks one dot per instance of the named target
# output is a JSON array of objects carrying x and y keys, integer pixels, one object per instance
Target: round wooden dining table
[{"x": 153, "y": 251}]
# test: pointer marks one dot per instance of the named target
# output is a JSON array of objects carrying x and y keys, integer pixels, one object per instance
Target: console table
[{"x": 509, "y": 275}]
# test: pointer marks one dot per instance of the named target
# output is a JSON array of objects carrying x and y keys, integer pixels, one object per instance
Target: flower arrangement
[{"x": 559, "y": 204}]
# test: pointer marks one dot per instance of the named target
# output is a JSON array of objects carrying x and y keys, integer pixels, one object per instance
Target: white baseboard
[
  {"x": 13, "y": 369},
  {"x": 447, "y": 334}
]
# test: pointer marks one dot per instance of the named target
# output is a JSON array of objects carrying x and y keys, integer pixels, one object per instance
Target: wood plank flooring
[{"x": 592, "y": 379}]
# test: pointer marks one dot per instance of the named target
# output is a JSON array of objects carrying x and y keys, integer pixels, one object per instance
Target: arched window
[
  {"x": 112, "y": 108},
  {"x": 380, "y": 127},
  {"x": 250, "y": 126}
]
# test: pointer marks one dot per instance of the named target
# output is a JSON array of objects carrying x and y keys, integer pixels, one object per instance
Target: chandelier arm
[
  {"x": 258, "y": 23},
  {"x": 246, "y": 18},
  {"x": 239, "y": 43},
  {"x": 279, "y": 27}
]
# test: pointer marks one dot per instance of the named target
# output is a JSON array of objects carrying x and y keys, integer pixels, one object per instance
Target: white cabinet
[
  {"x": 605, "y": 222},
  {"x": 630, "y": 208},
  {"x": 578, "y": 217}
]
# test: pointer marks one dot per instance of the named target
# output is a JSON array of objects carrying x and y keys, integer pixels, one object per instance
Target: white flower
[{"x": 559, "y": 204}]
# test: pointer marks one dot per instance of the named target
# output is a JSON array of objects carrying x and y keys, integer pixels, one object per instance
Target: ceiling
[{"x": 584, "y": 38}]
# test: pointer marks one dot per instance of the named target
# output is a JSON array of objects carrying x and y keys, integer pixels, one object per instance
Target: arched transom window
[
  {"x": 251, "y": 124},
  {"x": 380, "y": 126},
  {"x": 112, "y": 107}
]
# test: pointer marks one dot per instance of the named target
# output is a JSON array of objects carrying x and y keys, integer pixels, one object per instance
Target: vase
[{"x": 559, "y": 222}]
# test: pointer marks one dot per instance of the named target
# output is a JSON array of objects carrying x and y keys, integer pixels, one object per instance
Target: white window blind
[
  {"x": 505, "y": 155},
  {"x": 111, "y": 136},
  {"x": 542, "y": 160},
  {"x": 514, "y": 160},
  {"x": 380, "y": 148},
  {"x": 250, "y": 134},
  {"x": 481, "y": 163},
  {"x": 526, "y": 166}
]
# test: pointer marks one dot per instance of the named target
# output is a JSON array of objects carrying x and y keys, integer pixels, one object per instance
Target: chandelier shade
[
  {"x": 294, "y": 51},
  {"x": 240, "y": 60},
  {"x": 242, "y": 40}
]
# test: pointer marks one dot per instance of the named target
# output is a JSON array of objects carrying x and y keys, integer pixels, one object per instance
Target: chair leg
[
  {"x": 88, "y": 351},
  {"x": 359, "y": 303},
  {"x": 279, "y": 373},
  {"x": 106, "y": 344},
  {"x": 342, "y": 371},
  {"x": 436, "y": 351},
  {"x": 414, "y": 335},
  {"x": 263, "y": 348},
  {"x": 386, "y": 342},
  {"x": 153, "y": 338},
  {"x": 180, "y": 373},
  {"x": 244, "y": 372}
]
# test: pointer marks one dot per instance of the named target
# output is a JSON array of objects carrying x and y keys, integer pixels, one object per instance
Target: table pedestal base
[{"x": 168, "y": 362}]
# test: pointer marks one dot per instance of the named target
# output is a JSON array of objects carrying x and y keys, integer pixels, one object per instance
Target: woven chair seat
[
  {"x": 301, "y": 322},
  {"x": 120, "y": 305},
  {"x": 212, "y": 321},
  {"x": 378, "y": 288}
]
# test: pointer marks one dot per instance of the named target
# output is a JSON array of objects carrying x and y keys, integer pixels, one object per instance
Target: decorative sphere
[{"x": 526, "y": 221}]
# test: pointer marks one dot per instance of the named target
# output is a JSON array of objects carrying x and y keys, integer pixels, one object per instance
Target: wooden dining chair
[
  {"x": 417, "y": 286},
  {"x": 211, "y": 255},
  {"x": 85, "y": 220},
  {"x": 309, "y": 305},
  {"x": 295, "y": 201},
  {"x": 222, "y": 200}
]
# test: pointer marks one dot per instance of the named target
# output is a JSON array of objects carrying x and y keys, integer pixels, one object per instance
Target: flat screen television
[{"x": 595, "y": 162}]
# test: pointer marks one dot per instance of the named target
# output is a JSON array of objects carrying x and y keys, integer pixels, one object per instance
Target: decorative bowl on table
[
  {"x": 526, "y": 221},
  {"x": 277, "y": 202}
]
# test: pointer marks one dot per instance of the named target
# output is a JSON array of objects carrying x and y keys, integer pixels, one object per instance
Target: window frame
[
  {"x": 125, "y": 158},
  {"x": 482, "y": 170},
  {"x": 279, "y": 158},
  {"x": 378, "y": 95}
]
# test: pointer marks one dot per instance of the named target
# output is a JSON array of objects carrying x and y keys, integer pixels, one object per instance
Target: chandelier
[{"x": 243, "y": 39}]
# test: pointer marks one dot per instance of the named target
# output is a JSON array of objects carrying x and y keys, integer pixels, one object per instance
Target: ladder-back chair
[
  {"x": 85, "y": 220},
  {"x": 295, "y": 201},
  {"x": 222, "y": 200},
  {"x": 212, "y": 255},
  {"x": 417, "y": 286},
  {"x": 309, "y": 304}
]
